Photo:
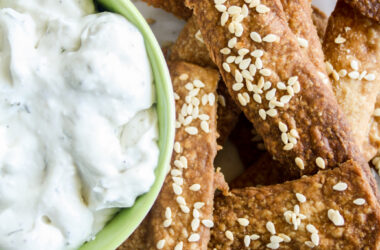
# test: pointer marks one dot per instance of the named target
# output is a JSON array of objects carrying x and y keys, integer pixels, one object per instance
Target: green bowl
[{"x": 128, "y": 219}]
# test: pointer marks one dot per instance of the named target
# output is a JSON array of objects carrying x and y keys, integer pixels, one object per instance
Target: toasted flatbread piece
[
  {"x": 352, "y": 50},
  {"x": 175, "y": 7},
  {"x": 182, "y": 213},
  {"x": 282, "y": 93},
  {"x": 369, "y": 8},
  {"x": 334, "y": 209}
]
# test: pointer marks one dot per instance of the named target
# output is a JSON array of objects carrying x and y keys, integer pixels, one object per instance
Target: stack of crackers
[{"x": 297, "y": 93}]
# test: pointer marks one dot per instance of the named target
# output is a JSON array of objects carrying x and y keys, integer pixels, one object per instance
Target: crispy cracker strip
[
  {"x": 352, "y": 49},
  {"x": 298, "y": 14},
  {"x": 334, "y": 209},
  {"x": 175, "y": 7},
  {"x": 188, "y": 190},
  {"x": 369, "y": 8},
  {"x": 314, "y": 129}
]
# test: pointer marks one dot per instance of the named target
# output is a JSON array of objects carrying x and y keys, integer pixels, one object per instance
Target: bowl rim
[{"x": 122, "y": 225}]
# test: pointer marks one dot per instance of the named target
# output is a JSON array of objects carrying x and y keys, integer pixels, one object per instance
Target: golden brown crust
[
  {"x": 199, "y": 150},
  {"x": 175, "y": 7},
  {"x": 361, "y": 228},
  {"x": 192, "y": 163},
  {"x": 357, "y": 97},
  {"x": 263, "y": 172},
  {"x": 298, "y": 14},
  {"x": 369, "y": 8},
  {"x": 320, "y": 22},
  {"x": 313, "y": 112}
]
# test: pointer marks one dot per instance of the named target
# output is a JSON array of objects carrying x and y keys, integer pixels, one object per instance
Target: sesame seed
[
  {"x": 220, "y": 7},
  {"x": 255, "y": 37},
  {"x": 226, "y": 67},
  {"x": 229, "y": 235},
  {"x": 270, "y": 38},
  {"x": 335, "y": 75},
  {"x": 290, "y": 90},
  {"x": 257, "y": 53},
  {"x": 238, "y": 29},
  {"x": 160, "y": 244},
  {"x": 370, "y": 77},
  {"x": 335, "y": 217},
  {"x": 232, "y": 42},
  {"x": 179, "y": 246},
  {"x": 225, "y": 51},
  {"x": 183, "y": 160},
  {"x": 342, "y": 73},
  {"x": 175, "y": 172},
  {"x": 277, "y": 239},
  {"x": 205, "y": 127},
  {"x": 185, "y": 209},
  {"x": 194, "y": 237},
  {"x": 177, "y": 189},
  {"x": 245, "y": 63},
  {"x": 273, "y": 245},
  {"x": 247, "y": 240},
  {"x": 167, "y": 222},
  {"x": 180, "y": 200},
  {"x": 299, "y": 163},
  {"x": 238, "y": 76},
  {"x": 262, "y": 114},
  {"x": 177, "y": 147},
  {"x": 195, "y": 187},
  {"x": 237, "y": 86},
  {"x": 311, "y": 229},
  {"x": 238, "y": 59},
  {"x": 195, "y": 224},
  {"x": 285, "y": 99},
  {"x": 272, "y": 112},
  {"x": 243, "y": 222},
  {"x": 224, "y": 19},
  {"x": 353, "y": 75},
  {"x": 320, "y": 162},
  {"x": 260, "y": 83},
  {"x": 288, "y": 147},
  {"x": 254, "y": 237},
  {"x": 252, "y": 69},
  {"x": 297, "y": 87},
  {"x": 246, "y": 97},
  {"x": 244, "y": 10},
  {"x": 233, "y": 10},
  {"x": 354, "y": 65},
  {"x": 309, "y": 244},
  {"x": 199, "y": 84},
  {"x": 362, "y": 75},
  {"x": 253, "y": 3},
  {"x": 284, "y": 138},
  {"x": 168, "y": 213},
  {"x": 191, "y": 130},
  {"x": 270, "y": 94},
  {"x": 196, "y": 213},
  {"x": 329, "y": 68},
  {"x": 208, "y": 223},
  {"x": 194, "y": 92},
  {"x": 242, "y": 100},
  {"x": 265, "y": 72},
  {"x": 284, "y": 237},
  {"x": 204, "y": 99},
  {"x": 230, "y": 59},
  {"x": 292, "y": 80},
  {"x": 359, "y": 201},
  {"x": 243, "y": 51},
  {"x": 267, "y": 85},
  {"x": 270, "y": 227},
  {"x": 376, "y": 113},
  {"x": 339, "y": 39},
  {"x": 211, "y": 99},
  {"x": 198, "y": 205},
  {"x": 257, "y": 98},
  {"x": 262, "y": 9},
  {"x": 281, "y": 85},
  {"x": 303, "y": 42},
  {"x": 282, "y": 126},
  {"x": 340, "y": 186},
  {"x": 178, "y": 180},
  {"x": 184, "y": 77},
  {"x": 300, "y": 197}
]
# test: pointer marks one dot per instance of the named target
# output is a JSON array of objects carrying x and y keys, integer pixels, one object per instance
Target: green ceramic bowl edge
[{"x": 128, "y": 219}]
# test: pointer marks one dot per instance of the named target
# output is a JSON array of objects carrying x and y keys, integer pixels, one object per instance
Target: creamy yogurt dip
[{"x": 78, "y": 127}]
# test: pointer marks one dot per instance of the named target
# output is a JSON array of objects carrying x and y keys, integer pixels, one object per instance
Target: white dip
[{"x": 78, "y": 127}]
